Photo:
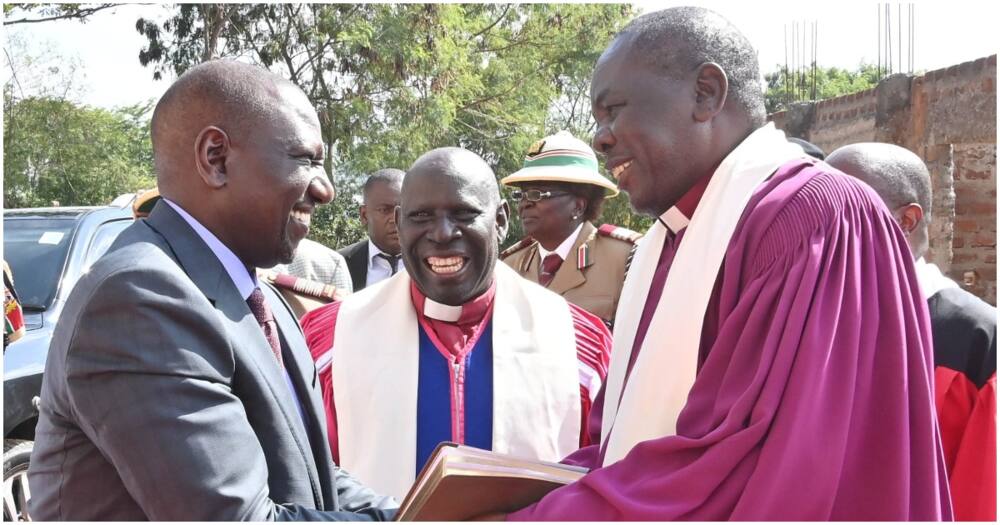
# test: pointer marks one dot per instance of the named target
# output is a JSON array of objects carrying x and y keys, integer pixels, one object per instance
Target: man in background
[
  {"x": 964, "y": 329},
  {"x": 316, "y": 276},
  {"x": 316, "y": 262},
  {"x": 378, "y": 257}
]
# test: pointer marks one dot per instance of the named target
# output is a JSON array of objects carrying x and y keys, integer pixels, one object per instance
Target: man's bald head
[
  {"x": 241, "y": 150},
  {"x": 899, "y": 176},
  {"x": 459, "y": 163},
  {"x": 679, "y": 39},
  {"x": 230, "y": 95}
]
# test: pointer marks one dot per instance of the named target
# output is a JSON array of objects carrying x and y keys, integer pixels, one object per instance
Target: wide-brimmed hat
[{"x": 561, "y": 158}]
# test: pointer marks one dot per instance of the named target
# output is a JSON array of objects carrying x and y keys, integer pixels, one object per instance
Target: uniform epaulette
[
  {"x": 516, "y": 247},
  {"x": 617, "y": 232},
  {"x": 299, "y": 285}
]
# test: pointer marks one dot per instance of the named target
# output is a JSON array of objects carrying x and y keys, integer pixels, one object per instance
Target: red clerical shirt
[{"x": 458, "y": 337}]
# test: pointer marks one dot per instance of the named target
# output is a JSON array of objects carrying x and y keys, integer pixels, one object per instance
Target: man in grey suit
[{"x": 176, "y": 388}]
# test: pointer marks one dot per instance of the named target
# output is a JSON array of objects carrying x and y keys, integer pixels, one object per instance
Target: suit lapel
[
  {"x": 302, "y": 370},
  {"x": 357, "y": 264},
  {"x": 568, "y": 276},
  {"x": 530, "y": 264},
  {"x": 191, "y": 253},
  {"x": 205, "y": 270}
]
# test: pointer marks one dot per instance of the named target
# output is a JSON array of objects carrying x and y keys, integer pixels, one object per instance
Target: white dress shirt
[{"x": 378, "y": 268}]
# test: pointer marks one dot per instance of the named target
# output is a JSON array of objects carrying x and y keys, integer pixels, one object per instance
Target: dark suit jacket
[
  {"x": 357, "y": 262},
  {"x": 964, "y": 328},
  {"x": 161, "y": 399}
]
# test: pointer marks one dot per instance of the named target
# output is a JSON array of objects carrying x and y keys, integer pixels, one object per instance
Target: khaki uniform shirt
[{"x": 592, "y": 279}]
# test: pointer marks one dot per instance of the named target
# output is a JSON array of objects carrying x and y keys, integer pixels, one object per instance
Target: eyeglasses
[{"x": 534, "y": 195}]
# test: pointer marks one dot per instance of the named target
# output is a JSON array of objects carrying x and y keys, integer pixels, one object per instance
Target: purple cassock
[{"x": 813, "y": 394}]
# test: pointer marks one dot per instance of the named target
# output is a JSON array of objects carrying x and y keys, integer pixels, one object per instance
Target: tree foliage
[
  {"x": 392, "y": 81},
  {"x": 55, "y": 150},
  {"x": 785, "y": 87}
]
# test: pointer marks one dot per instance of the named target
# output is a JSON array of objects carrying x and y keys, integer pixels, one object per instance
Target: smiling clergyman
[{"x": 458, "y": 348}]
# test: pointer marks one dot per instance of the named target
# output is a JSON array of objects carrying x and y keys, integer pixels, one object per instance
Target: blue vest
[{"x": 434, "y": 395}]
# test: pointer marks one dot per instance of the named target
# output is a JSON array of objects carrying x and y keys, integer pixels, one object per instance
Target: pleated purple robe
[{"x": 813, "y": 395}]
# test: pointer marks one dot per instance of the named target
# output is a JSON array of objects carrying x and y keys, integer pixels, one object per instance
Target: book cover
[{"x": 460, "y": 482}]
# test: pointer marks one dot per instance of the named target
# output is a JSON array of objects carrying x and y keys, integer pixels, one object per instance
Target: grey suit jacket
[{"x": 161, "y": 399}]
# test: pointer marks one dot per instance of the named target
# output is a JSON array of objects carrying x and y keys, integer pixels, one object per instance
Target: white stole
[
  {"x": 664, "y": 371},
  {"x": 375, "y": 358}
]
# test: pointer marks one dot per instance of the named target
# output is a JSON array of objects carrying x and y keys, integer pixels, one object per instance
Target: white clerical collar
[
  {"x": 563, "y": 249},
  {"x": 441, "y": 312},
  {"x": 674, "y": 219}
]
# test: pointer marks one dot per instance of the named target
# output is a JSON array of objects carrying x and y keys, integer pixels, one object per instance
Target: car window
[
  {"x": 36, "y": 249},
  {"x": 105, "y": 235}
]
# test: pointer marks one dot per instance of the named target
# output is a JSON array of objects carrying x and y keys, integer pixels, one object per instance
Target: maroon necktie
[
  {"x": 550, "y": 265},
  {"x": 262, "y": 313}
]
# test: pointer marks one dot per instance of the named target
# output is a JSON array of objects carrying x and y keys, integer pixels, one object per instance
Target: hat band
[{"x": 561, "y": 161}]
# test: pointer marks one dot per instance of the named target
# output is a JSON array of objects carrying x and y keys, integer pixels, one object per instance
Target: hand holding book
[{"x": 460, "y": 483}]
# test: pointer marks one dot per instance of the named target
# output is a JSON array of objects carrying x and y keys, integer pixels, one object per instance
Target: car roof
[{"x": 68, "y": 212}]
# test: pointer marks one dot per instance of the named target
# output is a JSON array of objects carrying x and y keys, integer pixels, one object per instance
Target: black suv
[{"x": 47, "y": 249}]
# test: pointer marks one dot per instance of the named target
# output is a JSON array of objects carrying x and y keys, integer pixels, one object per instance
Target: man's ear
[
  {"x": 397, "y": 213},
  {"x": 909, "y": 216},
  {"x": 711, "y": 90},
  {"x": 363, "y": 213},
  {"x": 503, "y": 221},
  {"x": 212, "y": 150}
]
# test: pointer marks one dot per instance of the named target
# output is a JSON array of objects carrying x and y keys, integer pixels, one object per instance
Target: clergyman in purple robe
[{"x": 772, "y": 354}]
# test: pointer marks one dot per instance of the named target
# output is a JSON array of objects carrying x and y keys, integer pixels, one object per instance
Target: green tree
[
  {"x": 55, "y": 150},
  {"x": 391, "y": 81},
  {"x": 785, "y": 87},
  {"x": 58, "y": 150}
]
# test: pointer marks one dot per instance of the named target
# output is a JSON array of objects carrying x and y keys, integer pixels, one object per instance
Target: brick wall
[{"x": 948, "y": 117}]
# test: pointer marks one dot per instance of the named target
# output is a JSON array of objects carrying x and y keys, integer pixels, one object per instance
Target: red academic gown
[
  {"x": 965, "y": 381},
  {"x": 593, "y": 343},
  {"x": 812, "y": 399}
]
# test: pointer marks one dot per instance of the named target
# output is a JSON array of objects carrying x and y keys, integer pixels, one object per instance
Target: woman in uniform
[{"x": 558, "y": 193}]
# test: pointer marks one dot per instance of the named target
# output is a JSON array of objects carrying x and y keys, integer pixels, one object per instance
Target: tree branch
[
  {"x": 514, "y": 85},
  {"x": 78, "y": 13},
  {"x": 495, "y": 22}
]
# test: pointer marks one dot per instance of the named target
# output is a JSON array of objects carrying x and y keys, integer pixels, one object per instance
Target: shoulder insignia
[
  {"x": 299, "y": 285},
  {"x": 516, "y": 247},
  {"x": 617, "y": 232}
]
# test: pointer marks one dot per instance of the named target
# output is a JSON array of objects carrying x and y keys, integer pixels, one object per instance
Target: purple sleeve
[{"x": 814, "y": 399}]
